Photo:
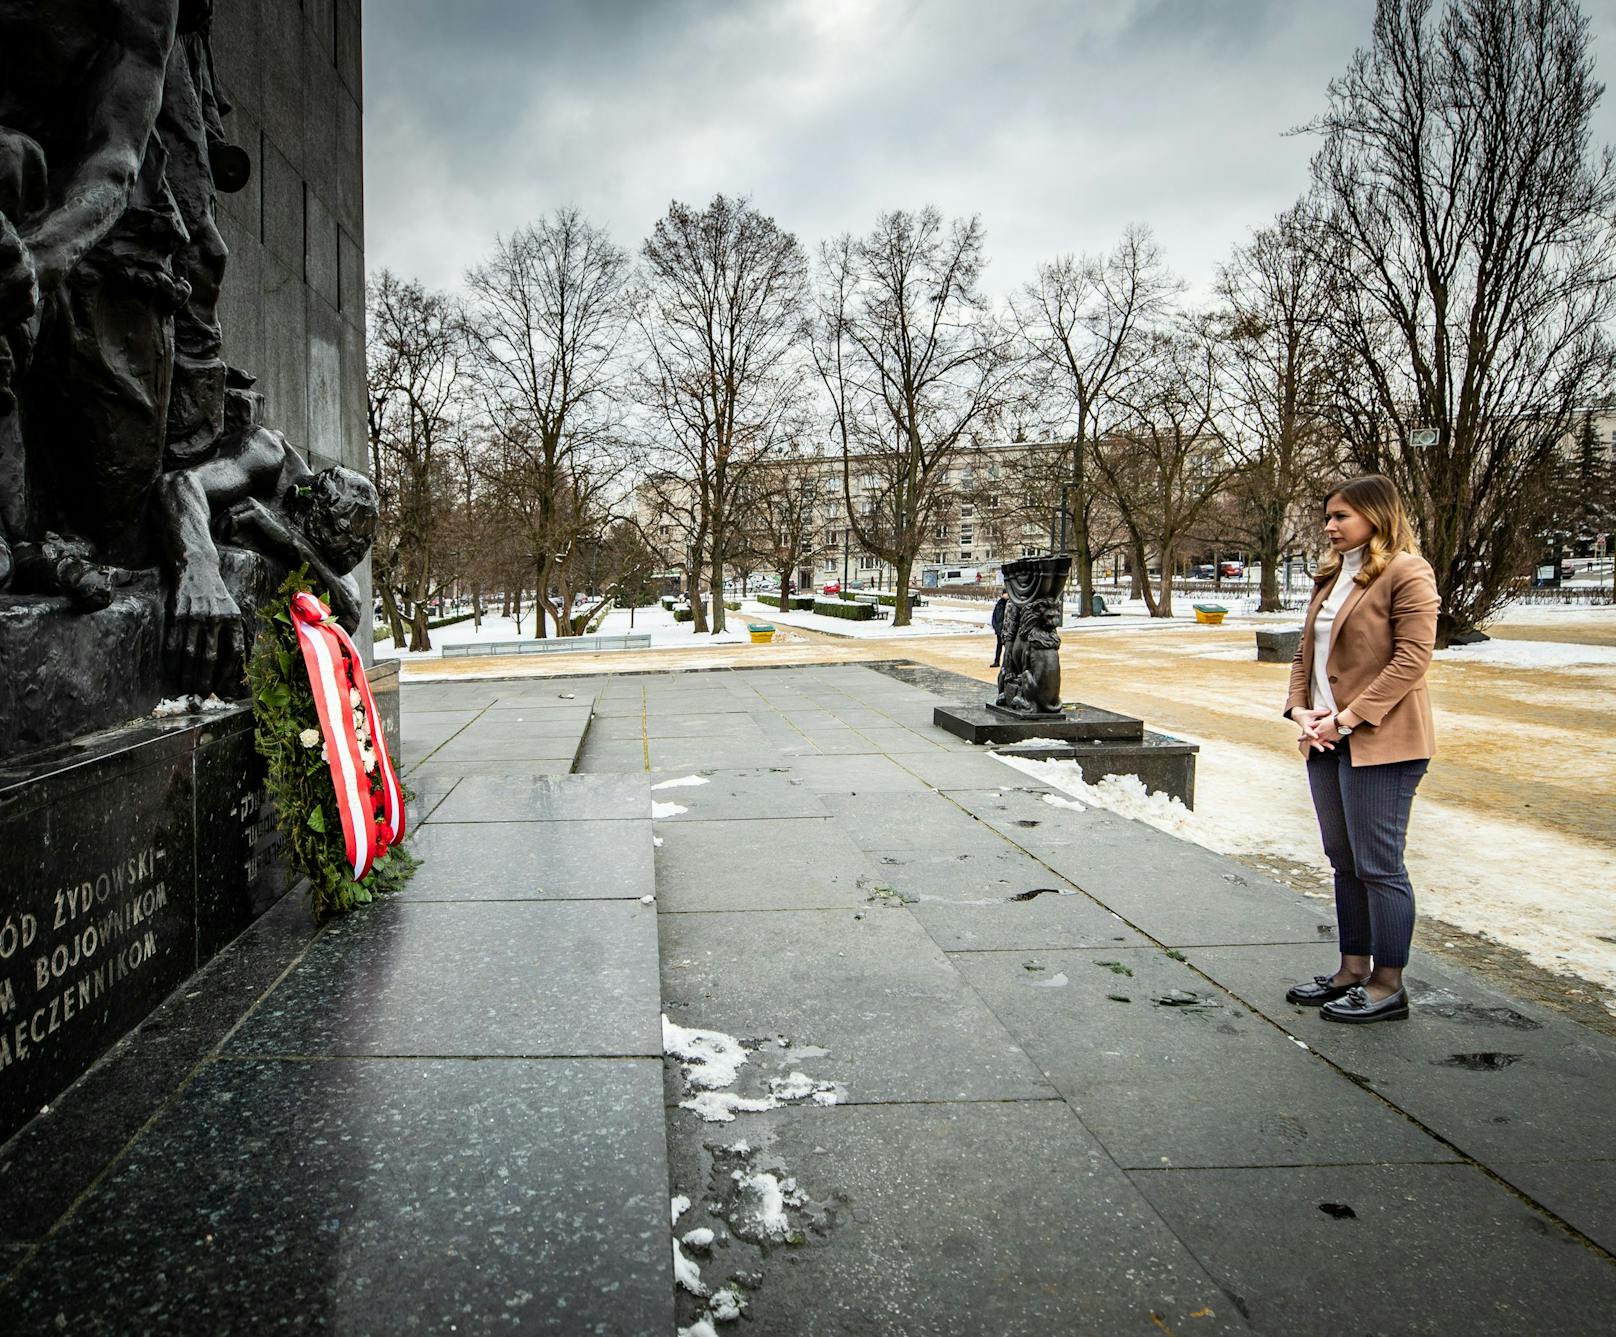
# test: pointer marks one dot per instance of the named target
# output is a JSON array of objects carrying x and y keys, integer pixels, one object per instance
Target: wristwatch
[{"x": 1343, "y": 729}]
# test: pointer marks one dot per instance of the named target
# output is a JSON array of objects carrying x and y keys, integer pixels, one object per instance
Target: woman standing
[{"x": 1358, "y": 693}]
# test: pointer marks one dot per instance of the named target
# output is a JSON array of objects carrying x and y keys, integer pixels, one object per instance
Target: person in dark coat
[{"x": 998, "y": 627}]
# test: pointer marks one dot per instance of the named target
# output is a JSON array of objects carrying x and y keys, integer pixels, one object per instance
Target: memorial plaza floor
[{"x": 749, "y": 991}]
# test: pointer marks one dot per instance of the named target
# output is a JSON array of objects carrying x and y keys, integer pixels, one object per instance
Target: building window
[
  {"x": 965, "y": 512},
  {"x": 940, "y": 532},
  {"x": 967, "y": 535}
]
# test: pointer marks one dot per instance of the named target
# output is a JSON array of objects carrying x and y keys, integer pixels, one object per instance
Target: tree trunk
[
  {"x": 541, "y": 601},
  {"x": 420, "y": 634},
  {"x": 395, "y": 619},
  {"x": 718, "y": 590},
  {"x": 1082, "y": 558},
  {"x": 1164, "y": 603},
  {"x": 1141, "y": 576},
  {"x": 1268, "y": 597},
  {"x": 900, "y": 611},
  {"x": 477, "y": 607}
]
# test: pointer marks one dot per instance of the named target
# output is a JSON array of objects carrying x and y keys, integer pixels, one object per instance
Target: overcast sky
[{"x": 1059, "y": 122}]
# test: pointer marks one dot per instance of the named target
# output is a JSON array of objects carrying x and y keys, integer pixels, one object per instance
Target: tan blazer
[{"x": 1380, "y": 647}]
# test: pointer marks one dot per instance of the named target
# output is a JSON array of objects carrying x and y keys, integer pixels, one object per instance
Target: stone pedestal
[
  {"x": 1277, "y": 645},
  {"x": 985, "y": 724},
  {"x": 1102, "y": 743},
  {"x": 69, "y": 673},
  {"x": 128, "y": 858}
]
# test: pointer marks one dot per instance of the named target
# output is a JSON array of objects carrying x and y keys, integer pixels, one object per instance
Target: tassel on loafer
[
  {"x": 1358, "y": 1007},
  {"x": 1323, "y": 989}
]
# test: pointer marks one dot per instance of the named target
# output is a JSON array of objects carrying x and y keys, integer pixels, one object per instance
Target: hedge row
[
  {"x": 382, "y": 632},
  {"x": 802, "y": 602},
  {"x": 685, "y": 614},
  {"x": 852, "y": 612},
  {"x": 885, "y": 600}
]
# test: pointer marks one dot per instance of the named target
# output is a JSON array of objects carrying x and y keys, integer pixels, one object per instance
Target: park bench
[{"x": 550, "y": 645}]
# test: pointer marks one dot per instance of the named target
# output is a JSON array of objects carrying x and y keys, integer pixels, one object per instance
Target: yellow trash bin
[{"x": 762, "y": 632}]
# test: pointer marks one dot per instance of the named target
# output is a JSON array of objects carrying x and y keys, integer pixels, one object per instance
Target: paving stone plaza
[{"x": 1009, "y": 1067}]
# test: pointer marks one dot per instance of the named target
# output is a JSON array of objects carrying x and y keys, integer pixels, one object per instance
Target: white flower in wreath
[
  {"x": 324, "y": 754},
  {"x": 360, "y": 724},
  {"x": 309, "y": 738},
  {"x": 369, "y": 758},
  {"x": 354, "y": 698}
]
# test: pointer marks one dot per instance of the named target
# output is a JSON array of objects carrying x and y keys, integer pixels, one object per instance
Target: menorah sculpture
[{"x": 1030, "y": 679}]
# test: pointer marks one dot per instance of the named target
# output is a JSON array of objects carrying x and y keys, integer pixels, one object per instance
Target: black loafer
[
  {"x": 1358, "y": 1007},
  {"x": 1323, "y": 989}
]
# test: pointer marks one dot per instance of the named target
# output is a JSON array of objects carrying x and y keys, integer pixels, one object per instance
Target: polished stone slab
[
  {"x": 375, "y": 1196},
  {"x": 1580, "y": 1193},
  {"x": 56, "y": 1156},
  {"x": 1059, "y": 918},
  {"x": 665, "y": 722},
  {"x": 1164, "y": 1084},
  {"x": 855, "y": 775},
  {"x": 468, "y": 979},
  {"x": 689, "y": 754},
  {"x": 893, "y": 740},
  {"x": 1177, "y": 892},
  {"x": 486, "y": 747},
  {"x": 898, "y": 1020},
  {"x": 981, "y": 724},
  {"x": 923, "y": 822},
  {"x": 599, "y": 757},
  {"x": 979, "y": 875},
  {"x": 1498, "y": 1078},
  {"x": 541, "y": 861},
  {"x": 562, "y": 798},
  {"x": 954, "y": 769},
  {"x": 1002, "y": 1218},
  {"x": 515, "y": 768},
  {"x": 1436, "y": 1249},
  {"x": 425, "y": 795},
  {"x": 735, "y": 793},
  {"x": 758, "y": 864}
]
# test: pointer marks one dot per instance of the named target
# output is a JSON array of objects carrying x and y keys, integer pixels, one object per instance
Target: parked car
[
  {"x": 1203, "y": 572},
  {"x": 832, "y": 587},
  {"x": 1234, "y": 569}
]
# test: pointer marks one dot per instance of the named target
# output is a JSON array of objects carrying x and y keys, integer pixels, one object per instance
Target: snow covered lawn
[{"x": 655, "y": 620}]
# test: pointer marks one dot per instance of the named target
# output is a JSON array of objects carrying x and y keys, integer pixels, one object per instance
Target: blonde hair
[{"x": 1374, "y": 497}]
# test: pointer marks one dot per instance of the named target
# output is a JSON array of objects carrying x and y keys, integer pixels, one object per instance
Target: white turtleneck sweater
[{"x": 1351, "y": 564}]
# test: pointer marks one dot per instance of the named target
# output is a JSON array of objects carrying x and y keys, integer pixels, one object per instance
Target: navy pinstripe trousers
[{"x": 1363, "y": 818}]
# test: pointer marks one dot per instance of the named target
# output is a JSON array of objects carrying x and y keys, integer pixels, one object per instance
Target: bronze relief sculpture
[{"x": 130, "y": 454}]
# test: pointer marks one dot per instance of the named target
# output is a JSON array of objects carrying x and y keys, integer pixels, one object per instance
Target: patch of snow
[
  {"x": 191, "y": 705},
  {"x": 647, "y": 900},
  {"x": 679, "y": 1207},
  {"x": 1043, "y": 742},
  {"x": 1057, "y": 801},
  {"x": 686, "y": 1272},
  {"x": 702, "y": 1327},
  {"x": 699, "y": 1238},
  {"x": 797, "y": 1086},
  {"x": 723, "y": 1106},
  {"x": 764, "y": 1207},
  {"x": 661, "y": 810},
  {"x": 657, "y": 841},
  {"x": 711, "y": 1059},
  {"x": 1124, "y": 795},
  {"x": 1529, "y": 654},
  {"x": 1055, "y": 981},
  {"x": 682, "y": 782},
  {"x": 727, "y": 1305},
  {"x": 825, "y": 1097}
]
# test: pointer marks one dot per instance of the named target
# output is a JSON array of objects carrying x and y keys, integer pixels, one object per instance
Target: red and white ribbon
[{"x": 334, "y": 666}]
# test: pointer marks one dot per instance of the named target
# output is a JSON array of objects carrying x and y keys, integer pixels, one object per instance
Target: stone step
[{"x": 448, "y": 1111}]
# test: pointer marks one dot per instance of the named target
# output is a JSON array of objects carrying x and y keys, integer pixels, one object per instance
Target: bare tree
[
  {"x": 1082, "y": 323},
  {"x": 1470, "y": 219},
  {"x": 722, "y": 317},
  {"x": 1165, "y": 463},
  {"x": 916, "y": 369},
  {"x": 416, "y": 407},
  {"x": 546, "y": 321},
  {"x": 1275, "y": 355},
  {"x": 779, "y": 504}
]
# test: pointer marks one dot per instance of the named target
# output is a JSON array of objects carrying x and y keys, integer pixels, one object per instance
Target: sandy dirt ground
[{"x": 1512, "y": 848}]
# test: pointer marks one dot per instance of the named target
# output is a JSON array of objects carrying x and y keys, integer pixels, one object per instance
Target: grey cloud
[{"x": 1058, "y": 122}]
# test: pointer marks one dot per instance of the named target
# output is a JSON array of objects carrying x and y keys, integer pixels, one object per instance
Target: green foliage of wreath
[{"x": 299, "y": 780}]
